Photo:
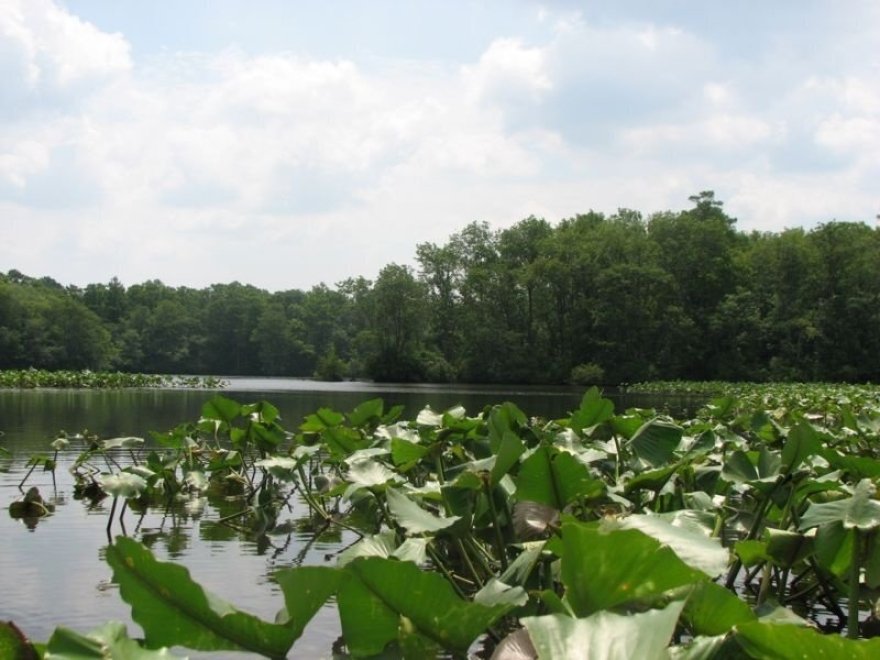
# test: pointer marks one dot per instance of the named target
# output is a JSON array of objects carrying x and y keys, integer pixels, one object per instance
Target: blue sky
[{"x": 288, "y": 143}]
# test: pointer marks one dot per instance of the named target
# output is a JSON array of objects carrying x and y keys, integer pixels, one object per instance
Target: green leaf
[
  {"x": 555, "y": 478},
  {"x": 306, "y": 589},
  {"x": 787, "y": 548},
  {"x": 325, "y": 418},
  {"x": 784, "y": 642},
  {"x": 412, "y": 517},
  {"x": 656, "y": 441},
  {"x": 371, "y": 410},
  {"x": 109, "y": 641},
  {"x": 506, "y": 456},
  {"x": 221, "y": 409},
  {"x": 803, "y": 441},
  {"x": 593, "y": 410},
  {"x": 602, "y": 570},
  {"x": 404, "y": 452},
  {"x": 13, "y": 644},
  {"x": 693, "y": 548},
  {"x": 751, "y": 552},
  {"x": 378, "y": 596},
  {"x": 366, "y": 472},
  {"x": 604, "y": 635},
  {"x": 859, "y": 511},
  {"x": 496, "y": 592},
  {"x": 174, "y": 610},
  {"x": 713, "y": 610},
  {"x": 650, "y": 479}
]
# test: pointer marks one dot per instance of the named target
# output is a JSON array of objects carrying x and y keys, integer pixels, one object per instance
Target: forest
[{"x": 595, "y": 298}]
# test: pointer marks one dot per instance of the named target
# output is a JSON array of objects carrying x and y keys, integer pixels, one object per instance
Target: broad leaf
[
  {"x": 713, "y": 610},
  {"x": 174, "y": 610},
  {"x": 509, "y": 451},
  {"x": 379, "y": 596},
  {"x": 221, "y": 409},
  {"x": 784, "y": 642},
  {"x": 412, "y": 517},
  {"x": 693, "y": 548},
  {"x": 371, "y": 410},
  {"x": 656, "y": 441},
  {"x": 555, "y": 478},
  {"x": 594, "y": 409},
  {"x": 109, "y": 641},
  {"x": 13, "y": 643},
  {"x": 306, "y": 589},
  {"x": 803, "y": 441},
  {"x": 602, "y": 570},
  {"x": 860, "y": 511},
  {"x": 604, "y": 635}
]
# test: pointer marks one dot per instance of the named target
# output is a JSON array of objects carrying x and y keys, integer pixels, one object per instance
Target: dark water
[{"x": 53, "y": 574}]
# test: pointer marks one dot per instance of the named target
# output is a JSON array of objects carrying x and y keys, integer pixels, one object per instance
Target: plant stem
[
  {"x": 852, "y": 619},
  {"x": 499, "y": 540}
]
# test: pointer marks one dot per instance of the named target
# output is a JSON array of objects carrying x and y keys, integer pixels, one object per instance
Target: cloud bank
[{"x": 283, "y": 167}]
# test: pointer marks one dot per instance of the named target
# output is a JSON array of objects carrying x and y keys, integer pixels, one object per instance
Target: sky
[{"x": 285, "y": 144}]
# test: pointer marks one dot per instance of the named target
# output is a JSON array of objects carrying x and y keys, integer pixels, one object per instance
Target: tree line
[{"x": 595, "y": 298}]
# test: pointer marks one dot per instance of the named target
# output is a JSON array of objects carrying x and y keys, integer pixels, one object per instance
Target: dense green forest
[{"x": 595, "y": 298}]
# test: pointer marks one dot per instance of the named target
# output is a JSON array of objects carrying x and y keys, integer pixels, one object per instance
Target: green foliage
[
  {"x": 594, "y": 299},
  {"x": 588, "y": 373}
]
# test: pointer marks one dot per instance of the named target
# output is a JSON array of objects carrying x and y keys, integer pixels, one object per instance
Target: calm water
[{"x": 54, "y": 574}]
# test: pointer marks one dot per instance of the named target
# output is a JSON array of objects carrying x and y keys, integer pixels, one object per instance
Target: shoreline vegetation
[
  {"x": 748, "y": 529},
  {"x": 593, "y": 299},
  {"x": 86, "y": 379}
]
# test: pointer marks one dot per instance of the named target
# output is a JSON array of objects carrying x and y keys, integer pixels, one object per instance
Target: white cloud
[
  {"x": 53, "y": 49},
  {"x": 297, "y": 168}
]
